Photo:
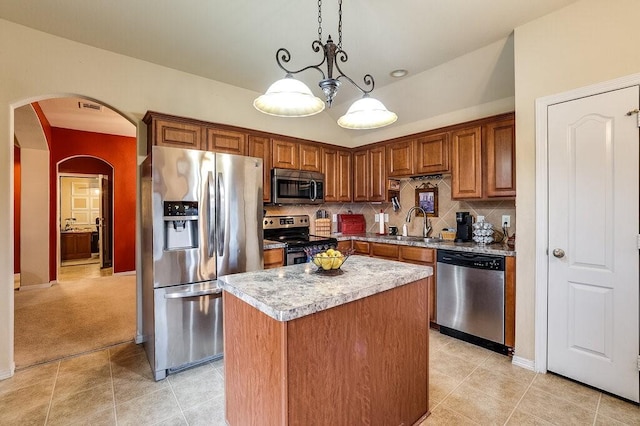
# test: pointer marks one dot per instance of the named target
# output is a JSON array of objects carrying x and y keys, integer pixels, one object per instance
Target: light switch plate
[{"x": 334, "y": 218}]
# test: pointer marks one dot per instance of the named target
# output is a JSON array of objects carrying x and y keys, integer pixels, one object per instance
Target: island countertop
[{"x": 295, "y": 291}]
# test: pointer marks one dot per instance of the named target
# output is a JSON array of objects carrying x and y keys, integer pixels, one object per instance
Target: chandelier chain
[
  {"x": 320, "y": 20},
  {"x": 340, "y": 24}
]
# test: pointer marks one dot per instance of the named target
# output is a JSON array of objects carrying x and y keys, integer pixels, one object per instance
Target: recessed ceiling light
[{"x": 398, "y": 73}]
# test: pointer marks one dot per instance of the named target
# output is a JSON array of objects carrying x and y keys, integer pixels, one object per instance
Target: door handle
[
  {"x": 211, "y": 213},
  {"x": 315, "y": 190},
  {"x": 559, "y": 253},
  {"x": 184, "y": 294},
  {"x": 221, "y": 204}
]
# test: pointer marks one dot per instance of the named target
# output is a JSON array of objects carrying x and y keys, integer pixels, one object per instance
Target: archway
[{"x": 64, "y": 143}]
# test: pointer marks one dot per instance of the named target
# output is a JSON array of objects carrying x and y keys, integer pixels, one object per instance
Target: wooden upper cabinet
[
  {"x": 310, "y": 157},
  {"x": 500, "y": 159},
  {"x": 466, "y": 163},
  {"x": 377, "y": 174},
  {"x": 432, "y": 154},
  {"x": 260, "y": 146},
  {"x": 360, "y": 175},
  {"x": 336, "y": 166},
  {"x": 284, "y": 154},
  {"x": 400, "y": 158},
  {"x": 226, "y": 141},
  {"x": 164, "y": 131}
]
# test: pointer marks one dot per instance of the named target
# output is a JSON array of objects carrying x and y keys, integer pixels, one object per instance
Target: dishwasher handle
[{"x": 184, "y": 294}]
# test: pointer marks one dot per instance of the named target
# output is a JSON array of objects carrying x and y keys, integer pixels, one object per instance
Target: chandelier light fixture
[{"x": 289, "y": 97}]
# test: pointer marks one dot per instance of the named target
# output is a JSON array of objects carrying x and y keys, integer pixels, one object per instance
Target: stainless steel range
[{"x": 294, "y": 231}]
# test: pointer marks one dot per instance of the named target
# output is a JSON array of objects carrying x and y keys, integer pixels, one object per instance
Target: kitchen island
[{"x": 303, "y": 347}]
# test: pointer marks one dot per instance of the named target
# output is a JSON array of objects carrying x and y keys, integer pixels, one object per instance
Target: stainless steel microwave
[{"x": 296, "y": 187}]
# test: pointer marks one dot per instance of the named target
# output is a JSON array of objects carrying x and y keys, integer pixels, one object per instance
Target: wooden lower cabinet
[
  {"x": 510, "y": 302},
  {"x": 385, "y": 251},
  {"x": 273, "y": 258},
  {"x": 364, "y": 362},
  {"x": 361, "y": 247},
  {"x": 75, "y": 245},
  {"x": 344, "y": 245}
]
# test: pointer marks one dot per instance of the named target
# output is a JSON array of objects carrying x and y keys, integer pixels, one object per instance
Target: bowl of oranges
[{"x": 329, "y": 261}]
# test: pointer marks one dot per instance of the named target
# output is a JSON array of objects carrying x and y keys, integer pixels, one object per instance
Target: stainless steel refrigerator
[{"x": 201, "y": 218}]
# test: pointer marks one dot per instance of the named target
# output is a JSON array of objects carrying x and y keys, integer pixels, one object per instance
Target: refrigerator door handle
[
  {"x": 210, "y": 216},
  {"x": 315, "y": 190},
  {"x": 184, "y": 294},
  {"x": 220, "y": 216}
]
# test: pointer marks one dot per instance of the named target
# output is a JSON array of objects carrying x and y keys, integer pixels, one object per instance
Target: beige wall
[
  {"x": 34, "y": 223},
  {"x": 585, "y": 43}
]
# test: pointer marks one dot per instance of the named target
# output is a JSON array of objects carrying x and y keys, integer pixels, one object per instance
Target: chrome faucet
[{"x": 427, "y": 223}]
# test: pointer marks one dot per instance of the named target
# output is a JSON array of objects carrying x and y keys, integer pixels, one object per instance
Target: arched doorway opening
[{"x": 50, "y": 138}]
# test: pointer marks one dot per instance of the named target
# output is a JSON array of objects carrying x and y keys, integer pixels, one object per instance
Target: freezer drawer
[{"x": 188, "y": 326}]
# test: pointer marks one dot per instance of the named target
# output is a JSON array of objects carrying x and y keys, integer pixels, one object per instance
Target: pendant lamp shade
[
  {"x": 289, "y": 97},
  {"x": 367, "y": 113}
]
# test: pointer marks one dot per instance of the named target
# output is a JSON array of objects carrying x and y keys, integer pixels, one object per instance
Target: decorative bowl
[{"x": 328, "y": 261}]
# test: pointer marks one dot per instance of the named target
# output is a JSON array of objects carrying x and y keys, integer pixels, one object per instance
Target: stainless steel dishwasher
[{"x": 470, "y": 297}]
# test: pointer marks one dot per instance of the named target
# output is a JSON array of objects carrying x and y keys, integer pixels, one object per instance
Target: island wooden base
[{"x": 364, "y": 362}]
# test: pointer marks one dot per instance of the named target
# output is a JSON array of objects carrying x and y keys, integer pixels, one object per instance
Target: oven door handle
[{"x": 184, "y": 294}]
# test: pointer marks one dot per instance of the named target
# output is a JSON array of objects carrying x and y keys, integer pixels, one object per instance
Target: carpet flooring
[{"x": 71, "y": 318}]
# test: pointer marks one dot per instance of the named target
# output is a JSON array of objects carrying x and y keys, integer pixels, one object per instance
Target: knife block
[{"x": 323, "y": 228}]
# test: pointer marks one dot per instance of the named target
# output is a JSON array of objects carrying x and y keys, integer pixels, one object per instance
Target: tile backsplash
[{"x": 447, "y": 208}]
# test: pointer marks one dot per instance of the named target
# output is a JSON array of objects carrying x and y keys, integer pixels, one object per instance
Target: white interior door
[{"x": 593, "y": 313}]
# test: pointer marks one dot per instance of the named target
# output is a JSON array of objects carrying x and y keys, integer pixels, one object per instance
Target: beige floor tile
[
  {"x": 101, "y": 418},
  {"x": 125, "y": 350},
  {"x": 29, "y": 400},
  {"x": 566, "y": 389},
  {"x": 148, "y": 409},
  {"x": 445, "y": 417},
  {"x": 440, "y": 385},
  {"x": 477, "y": 405},
  {"x": 210, "y": 413},
  {"x": 503, "y": 364},
  {"x": 204, "y": 386},
  {"x": 43, "y": 375},
  {"x": 518, "y": 418},
  {"x": 450, "y": 365},
  {"x": 471, "y": 353},
  {"x": 550, "y": 408},
  {"x": 76, "y": 407},
  {"x": 497, "y": 385},
  {"x": 608, "y": 421},
  {"x": 177, "y": 420},
  {"x": 24, "y": 414},
  {"x": 619, "y": 410},
  {"x": 437, "y": 340},
  {"x": 132, "y": 377}
]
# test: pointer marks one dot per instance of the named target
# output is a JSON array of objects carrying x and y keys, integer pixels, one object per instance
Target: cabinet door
[
  {"x": 344, "y": 245},
  {"x": 432, "y": 154},
  {"x": 344, "y": 176},
  {"x": 226, "y": 141},
  {"x": 330, "y": 170},
  {"x": 377, "y": 174},
  {"x": 361, "y": 247},
  {"x": 386, "y": 251},
  {"x": 259, "y": 146},
  {"x": 466, "y": 167},
  {"x": 176, "y": 134},
  {"x": 500, "y": 153},
  {"x": 284, "y": 154},
  {"x": 400, "y": 158},
  {"x": 360, "y": 175},
  {"x": 310, "y": 158}
]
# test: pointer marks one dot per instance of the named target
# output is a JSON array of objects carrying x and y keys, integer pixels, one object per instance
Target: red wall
[
  {"x": 120, "y": 152},
  {"x": 17, "y": 186}
]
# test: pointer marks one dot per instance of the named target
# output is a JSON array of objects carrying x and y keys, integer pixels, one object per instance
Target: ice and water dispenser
[{"x": 180, "y": 225}]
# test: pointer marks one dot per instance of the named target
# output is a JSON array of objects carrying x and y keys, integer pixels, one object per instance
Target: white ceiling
[{"x": 235, "y": 41}]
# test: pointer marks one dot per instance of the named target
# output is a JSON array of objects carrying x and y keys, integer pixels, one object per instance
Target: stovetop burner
[{"x": 294, "y": 231}]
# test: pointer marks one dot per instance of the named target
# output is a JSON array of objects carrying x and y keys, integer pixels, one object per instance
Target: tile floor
[{"x": 468, "y": 386}]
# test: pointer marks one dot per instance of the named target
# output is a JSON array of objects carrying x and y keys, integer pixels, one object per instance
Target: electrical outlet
[
  {"x": 377, "y": 218},
  {"x": 334, "y": 217},
  {"x": 480, "y": 218},
  {"x": 506, "y": 220},
  {"x": 386, "y": 217}
]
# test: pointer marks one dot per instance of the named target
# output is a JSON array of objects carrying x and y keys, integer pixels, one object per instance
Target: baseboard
[
  {"x": 125, "y": 273},
  {"x": 5, "y": 374},
  {"x": 37, "y": 286},
  {"x": 524, "y": 363}
]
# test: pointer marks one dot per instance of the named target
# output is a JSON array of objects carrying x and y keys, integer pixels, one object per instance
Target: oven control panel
[{"x": 283, "y": 222}]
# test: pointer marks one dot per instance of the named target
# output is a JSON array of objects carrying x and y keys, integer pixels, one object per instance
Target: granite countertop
[
  {"x": 294, "y": 291},
  {"x": 498, "y": 249},
  {"x": 269, "y": 244}
]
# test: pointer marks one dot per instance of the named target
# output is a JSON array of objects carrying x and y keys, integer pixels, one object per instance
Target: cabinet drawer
[
  {"x": 273, "y": 258},
  {"x": 417, "y": 254},
  {"x": 361, "y": 247},
  {"x": 345, "y": 245},
  {"x": 388, "y": 251}
]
